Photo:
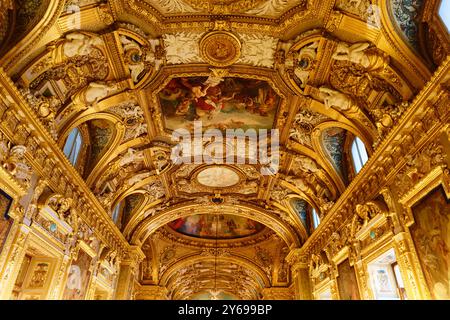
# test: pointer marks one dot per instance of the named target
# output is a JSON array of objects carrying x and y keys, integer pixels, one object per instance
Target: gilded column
[
  {"x": 15, "y": 258},
  {"x": 128, "y": 269},
  {"x": 90, "y": 295},
  {"x": 58, "y": 288},
  {"x": 363, "y": 280},
  {"x": 300, "y": 274},
  {"x": 413, "y": 279}
]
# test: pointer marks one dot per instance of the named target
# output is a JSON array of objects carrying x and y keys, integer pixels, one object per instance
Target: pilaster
[
  {"x": 299, "y": 268},
  {"x": 128, "y": 269},
  {"x": 14, "y": 262}
]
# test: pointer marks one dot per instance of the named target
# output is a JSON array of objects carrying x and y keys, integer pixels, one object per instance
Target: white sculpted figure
[
  {"x": 94, "y": 92},
  {"x": 353, "y": 53},
  {"x": 182, "y": 47},
  {"x": 307, "y": 164},
  {"x": 333, "y": 98},
  {"x": 79, "y": 44},
  {"x": 131, "y": 156},
  {"x": 133, "y": 111},
  {"x": 140, "y": 129}
]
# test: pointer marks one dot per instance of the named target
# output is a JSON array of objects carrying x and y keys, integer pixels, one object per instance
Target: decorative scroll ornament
[
  {"x": 182, "y": 47},
  {"x": 364, "y": 213},
  {"x": 317, "y": 267},
  {"x": 140, "y": 59},
  {"x": 303, "y": 62},
  {"x": 45, "y": 107},
  {"x": 257, "y": 50}
]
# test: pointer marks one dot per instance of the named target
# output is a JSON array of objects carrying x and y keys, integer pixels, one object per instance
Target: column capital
[
  {"x": 134, "y": 255},
  {"x": 297, "y": 258}
]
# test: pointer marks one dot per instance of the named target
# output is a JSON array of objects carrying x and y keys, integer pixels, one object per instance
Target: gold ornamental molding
[
  {"x": 193, "y": 259},
  {"x": 220, "y": 48},
  {"x": 440, "y": 176},
  {"x": 40, "y": 30},
  {"x": 47, "y": 159},
  {"x": 152, "y": 223},
  {"x": 411, "y": 133}
]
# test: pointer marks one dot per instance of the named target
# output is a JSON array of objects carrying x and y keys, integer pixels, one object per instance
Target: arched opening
[
  {"x": 359, "y": 154},
  {"x": 315, "y": 218},
  {"x": 116, "y": 212},
  {"x": 307, "y": 213},
  {"x": 73, "y": 145}
]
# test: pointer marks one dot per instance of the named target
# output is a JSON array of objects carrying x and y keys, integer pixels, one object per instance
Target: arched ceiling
[{"x": 129, "y": 73}]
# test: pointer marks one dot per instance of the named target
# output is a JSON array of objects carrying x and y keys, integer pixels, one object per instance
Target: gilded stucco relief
[{"x": 126, "y": 219}]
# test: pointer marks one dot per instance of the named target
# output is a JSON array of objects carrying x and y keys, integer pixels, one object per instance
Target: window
[
  {"x": 316, "y": 219},
  {"x": 73, "y": 144},
  {"x": 444, "y": 13},
  {"x": 385, "y": 278},
  {"x": 399, "y": 281},
  {"x": 359, "y": 154},
  {"x": 115, "y": 213}
]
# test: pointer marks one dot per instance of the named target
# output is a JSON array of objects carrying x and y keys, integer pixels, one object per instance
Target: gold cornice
[
  {"x": 10, "y": 185},
  {"x": 359, "y": 187},
  {"x": 111, "y": 235},
  {"x": 201, "y": 22}
]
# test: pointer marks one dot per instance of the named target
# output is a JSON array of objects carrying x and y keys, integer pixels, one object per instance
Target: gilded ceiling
[{"x": 129, "y": 73}]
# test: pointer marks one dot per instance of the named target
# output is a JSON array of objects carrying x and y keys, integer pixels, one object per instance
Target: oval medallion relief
[{"x": 218, "y": 177}]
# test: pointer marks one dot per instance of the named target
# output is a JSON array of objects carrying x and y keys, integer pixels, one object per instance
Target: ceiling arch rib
[{"x": 152, "y": 223}]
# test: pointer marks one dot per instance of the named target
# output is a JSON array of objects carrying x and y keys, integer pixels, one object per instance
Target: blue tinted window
[
  {"x": 444, "y": 12},
  {"x": 73, "y": 145},
  {"x": 316, "y": 219},
  {"x": 359, "y": 154},
  {"x": 115, "y": 213}
]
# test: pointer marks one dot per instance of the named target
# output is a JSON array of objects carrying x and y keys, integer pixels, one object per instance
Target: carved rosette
[{"x": 220, "y": 48}]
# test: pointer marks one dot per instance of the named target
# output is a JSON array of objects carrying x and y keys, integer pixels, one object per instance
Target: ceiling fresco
[
  {"x": 223, "y": 103},
  {"x": 216, "y": 226}
]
